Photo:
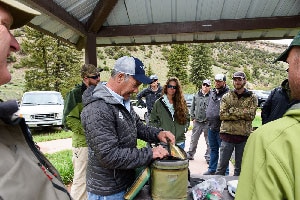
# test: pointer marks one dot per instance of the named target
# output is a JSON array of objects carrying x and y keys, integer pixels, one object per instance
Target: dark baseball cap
[
  {"x": 89, "y": 70},
  {"x": 239, "y": 75},
  {"x": 284, "y": 55}
]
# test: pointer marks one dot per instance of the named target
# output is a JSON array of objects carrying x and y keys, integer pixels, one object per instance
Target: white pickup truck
[{"x": 42, "y": 108}]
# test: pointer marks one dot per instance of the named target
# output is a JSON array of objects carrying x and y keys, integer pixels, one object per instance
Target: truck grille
[{"x": 44, "y": 116}]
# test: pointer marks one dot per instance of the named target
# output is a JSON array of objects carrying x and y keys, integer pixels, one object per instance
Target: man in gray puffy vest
[{"x": 198, "y": 116}]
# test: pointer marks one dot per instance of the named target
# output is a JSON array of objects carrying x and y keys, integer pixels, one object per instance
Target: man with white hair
[{"x": 112, "y": 129}]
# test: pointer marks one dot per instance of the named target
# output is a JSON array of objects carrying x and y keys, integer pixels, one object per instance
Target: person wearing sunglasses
[
  {"x": 198, "y": 116},
  {"x": 72, "y": 109},
  {"x": 151, "y": 94},
  {"x": 170, "y": 111}
]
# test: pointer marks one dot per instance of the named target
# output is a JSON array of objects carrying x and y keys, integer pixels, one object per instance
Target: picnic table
[{"x": 144, "y": 194}]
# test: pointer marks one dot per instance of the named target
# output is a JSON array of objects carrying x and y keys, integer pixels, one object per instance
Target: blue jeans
[
  {"x": 214, "y": 142},
  {"x": 117, "y": 196}
]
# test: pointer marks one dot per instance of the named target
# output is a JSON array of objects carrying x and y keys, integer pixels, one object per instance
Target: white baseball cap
[{"x": 220, "y": 77}]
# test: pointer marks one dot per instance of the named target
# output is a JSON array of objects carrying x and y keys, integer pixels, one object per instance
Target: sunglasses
[
  {"x": 95, "y": 77},
  {"x": 206, "y": 85},
  {"x": 172, "y": 86}
]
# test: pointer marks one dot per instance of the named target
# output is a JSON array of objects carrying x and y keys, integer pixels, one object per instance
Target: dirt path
[{"x": 55, "y": 145}]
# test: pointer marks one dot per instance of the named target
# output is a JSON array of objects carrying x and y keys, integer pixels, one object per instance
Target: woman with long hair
[{"x": 170, "y": 111}]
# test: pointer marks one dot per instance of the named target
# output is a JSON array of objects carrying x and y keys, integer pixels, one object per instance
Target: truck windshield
[{"x": 42, "y": 99}]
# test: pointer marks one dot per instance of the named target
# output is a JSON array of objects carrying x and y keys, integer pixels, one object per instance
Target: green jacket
[
  {"x": 72, "y": 110},
  {"x": 161, "y": 118},
  {"x": 237, "y": 114},
  {"x": 271, "y": 162}
]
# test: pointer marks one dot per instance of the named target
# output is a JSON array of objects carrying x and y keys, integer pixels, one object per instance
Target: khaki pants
[{"x": 79, "y": 159}]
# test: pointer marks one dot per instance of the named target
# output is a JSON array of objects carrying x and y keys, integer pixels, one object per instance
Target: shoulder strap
[{"x": 39, "y": 155}]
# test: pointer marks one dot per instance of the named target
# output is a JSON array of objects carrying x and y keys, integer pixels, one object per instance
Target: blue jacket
[{"x": 150, "y": 96}]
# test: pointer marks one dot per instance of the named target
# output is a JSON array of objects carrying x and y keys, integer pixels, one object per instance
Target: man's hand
[
  {"x": 159, "y": 152},
  {"x": 165, "y": 136}
]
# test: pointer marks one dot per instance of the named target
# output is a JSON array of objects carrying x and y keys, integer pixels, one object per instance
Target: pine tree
[
  {"x": 201, "y": 66},
  {"x": 51, "y": 64},
  {"x": 149, "y": 70},
  {"x": 177, "y": 62}
]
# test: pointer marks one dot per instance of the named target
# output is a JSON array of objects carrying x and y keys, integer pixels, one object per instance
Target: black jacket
[
  {"x": 150, "y": 96},
  {"x": 213, "y": 108},
  {"x": 112, "y": 133},
  {"x": 276, "y": 104}
]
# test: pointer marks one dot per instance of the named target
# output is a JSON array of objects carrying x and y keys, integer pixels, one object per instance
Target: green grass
[
  {"x": 62, "y": 161},
  {"x": 48, "y": 136}
]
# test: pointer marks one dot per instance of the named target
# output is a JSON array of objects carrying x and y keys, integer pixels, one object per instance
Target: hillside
[{"x": 255, "y": 56}]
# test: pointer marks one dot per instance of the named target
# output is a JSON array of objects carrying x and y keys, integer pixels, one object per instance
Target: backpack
[{"x": 25, "y": 173}]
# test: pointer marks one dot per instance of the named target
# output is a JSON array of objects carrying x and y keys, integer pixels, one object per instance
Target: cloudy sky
[{"x": 283, "y": 41}]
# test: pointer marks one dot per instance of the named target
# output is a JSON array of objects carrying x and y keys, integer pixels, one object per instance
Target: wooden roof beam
[
  {"x": 99, "y": 15},
  {"x": 201, "y": 26},
  {"x": 52, "y": 9}
]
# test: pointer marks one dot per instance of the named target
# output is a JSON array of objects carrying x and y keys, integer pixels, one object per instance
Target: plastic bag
[{"x": 210, "y": 189}]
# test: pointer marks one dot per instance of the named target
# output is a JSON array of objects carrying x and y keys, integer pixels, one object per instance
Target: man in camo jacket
[{"x": 237, "y": 111}]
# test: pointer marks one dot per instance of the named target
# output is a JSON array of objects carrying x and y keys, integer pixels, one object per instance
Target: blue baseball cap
[{"x": 134, "y": 67}]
